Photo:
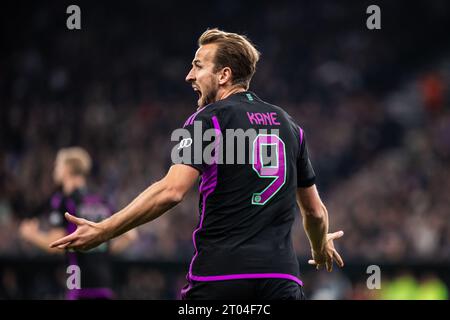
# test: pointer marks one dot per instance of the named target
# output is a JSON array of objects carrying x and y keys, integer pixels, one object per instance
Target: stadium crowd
[{"x": 378, "y": 130}]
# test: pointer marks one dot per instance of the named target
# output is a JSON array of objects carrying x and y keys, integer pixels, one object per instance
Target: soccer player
[
  {"x": 72, "y": 167},
  {"x": 243, "y": 247}
]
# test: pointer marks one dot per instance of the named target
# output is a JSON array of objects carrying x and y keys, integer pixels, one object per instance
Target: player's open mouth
[{"x": 198, "y": 92}]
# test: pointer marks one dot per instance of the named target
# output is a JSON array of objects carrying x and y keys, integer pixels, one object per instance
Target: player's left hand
[
  {"x": 328, "y": 254},
  {"x": 88, "y": 235}
]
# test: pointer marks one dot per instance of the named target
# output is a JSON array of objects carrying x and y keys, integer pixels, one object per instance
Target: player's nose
[{"x": 190, "y": 76}]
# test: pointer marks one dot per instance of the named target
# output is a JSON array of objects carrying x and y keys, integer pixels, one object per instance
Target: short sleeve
[{"x": 193, "y": 142}]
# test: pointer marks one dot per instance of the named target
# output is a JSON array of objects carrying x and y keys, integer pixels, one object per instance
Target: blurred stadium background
[{"x": 375, "y": 105}]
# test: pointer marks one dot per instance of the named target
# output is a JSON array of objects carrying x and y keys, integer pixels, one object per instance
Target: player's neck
[
  {"x": 228, "y": 92},
  {"x": 73, "y": 184}
]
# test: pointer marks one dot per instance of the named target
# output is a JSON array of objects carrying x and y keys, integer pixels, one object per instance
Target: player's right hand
[
  {"x": 88, "y": 235},
  {"x": 328, "y": 253}
]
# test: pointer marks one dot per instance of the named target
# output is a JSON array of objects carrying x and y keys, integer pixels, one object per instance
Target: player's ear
[{"x": 225, "y": 75}]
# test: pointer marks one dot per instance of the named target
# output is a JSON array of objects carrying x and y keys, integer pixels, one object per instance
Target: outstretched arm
[
  {"x": 149, "y": 205},
  {"x": 315, "y": 223}
]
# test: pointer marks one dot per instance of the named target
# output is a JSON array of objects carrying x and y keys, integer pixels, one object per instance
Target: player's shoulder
[
  {"x": 87, "y": 196},
  {"x": 279, "y": 110},
  {"x": 234, "y": 104},
  {"x": 94, "y": 204},
  {"x": 281, "y": 113},
  {"x": 208, "y": 113},
  {"x": 291, "y": 123},
  {"x": 202, "y": 114},
  {"x": 247, "y": 98},
  {"x": 56, "y": 199}
]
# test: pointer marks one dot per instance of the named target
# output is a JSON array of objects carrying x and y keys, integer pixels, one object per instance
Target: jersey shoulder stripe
[{"x": 192, "y": 117}]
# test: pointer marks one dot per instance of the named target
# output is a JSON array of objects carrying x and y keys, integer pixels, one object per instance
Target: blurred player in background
[
  {"x": 243, "y": 246},
  {"x": 72, "y": 166}
]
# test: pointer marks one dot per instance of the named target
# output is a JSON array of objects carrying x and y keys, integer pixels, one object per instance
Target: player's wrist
[
  {"x": 105, "y": 230},
  {"x": 319, "y": 247}
]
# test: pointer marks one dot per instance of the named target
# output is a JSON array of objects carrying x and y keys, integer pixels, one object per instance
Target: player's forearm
[
  {"x": 41, "y": 240},
  {"x": 316, "y": 226},
  {"x": 149, "y": 205}
]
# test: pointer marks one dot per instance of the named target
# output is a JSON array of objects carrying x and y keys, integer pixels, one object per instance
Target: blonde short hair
[
  {"x": 234, "y": 51},
  {"x": 77, "y": 159}
]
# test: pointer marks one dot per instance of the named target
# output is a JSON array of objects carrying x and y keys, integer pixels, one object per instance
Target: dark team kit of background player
[{"x": 96, "y": 278}]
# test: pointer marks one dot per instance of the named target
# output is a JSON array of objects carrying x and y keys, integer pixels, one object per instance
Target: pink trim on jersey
[
  {"x": 191, "y": 119},
  {"x": 247, "y": 276},
  {"x": 209, "y": 183},
  {"x": 301, "y": 135}
]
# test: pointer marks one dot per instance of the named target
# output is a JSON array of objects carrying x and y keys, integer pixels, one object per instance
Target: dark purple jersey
[
  {"x": 94, "y": 264},
  {"x": 247, "y": 207}
]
